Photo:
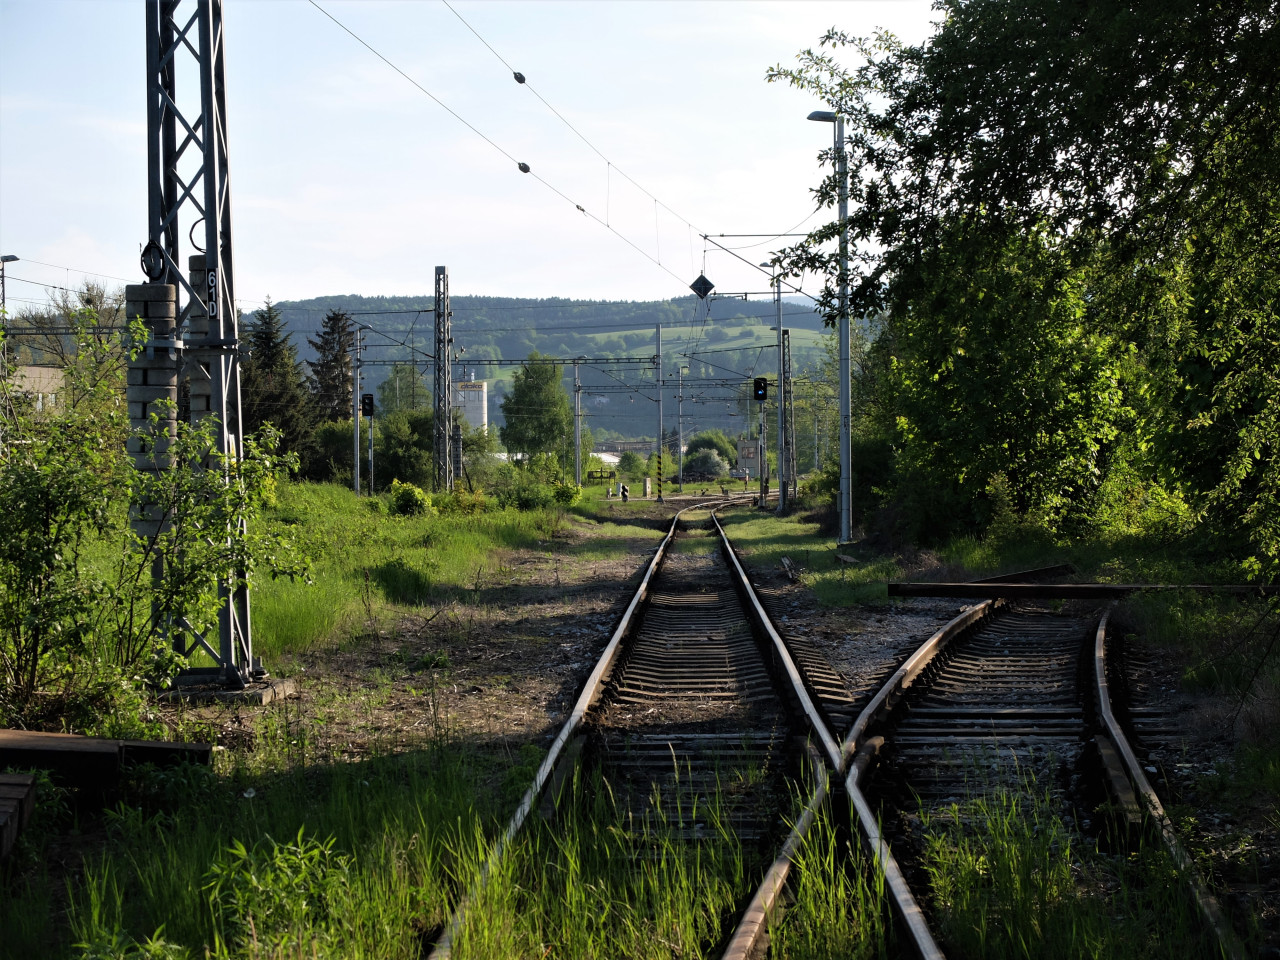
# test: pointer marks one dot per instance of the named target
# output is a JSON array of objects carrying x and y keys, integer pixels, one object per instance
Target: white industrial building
[{"x": 472, "y": 398}]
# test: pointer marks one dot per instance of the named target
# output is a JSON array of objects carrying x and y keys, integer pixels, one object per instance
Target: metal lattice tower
[
  {"x": 443, "y": 419},
  {"x": 189, "y": 200}
]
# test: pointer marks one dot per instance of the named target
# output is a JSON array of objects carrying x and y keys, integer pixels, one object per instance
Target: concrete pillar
[
  {"x": 151, "y": 392},
  {"x": 200, "y": 363}
]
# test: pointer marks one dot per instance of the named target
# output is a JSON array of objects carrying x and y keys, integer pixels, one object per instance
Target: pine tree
[
  {"x": 272, "y": 386},
  {"x": 330, "y": 380}
]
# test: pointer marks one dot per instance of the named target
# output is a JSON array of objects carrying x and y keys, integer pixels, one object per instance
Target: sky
[{"x": 349, "y": 179}]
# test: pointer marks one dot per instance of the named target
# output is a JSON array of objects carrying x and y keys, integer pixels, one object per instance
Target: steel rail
[
  {"x": 755, "y": 920},
  {"x": 1210, "y": 910},
  {"x": 444, "y": 946},
  {"x": 858, "y": 748},
  {"x": 594, "y": 685},
  {"x": 757, "y": 612}
]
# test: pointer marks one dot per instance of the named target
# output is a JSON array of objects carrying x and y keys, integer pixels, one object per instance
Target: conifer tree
[
  {"x": 330, "y": 380},
  {"x": 272, "y": 386}
]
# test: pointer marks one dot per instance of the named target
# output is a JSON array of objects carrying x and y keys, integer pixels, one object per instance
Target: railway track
[{"x": 700, "y": 717}]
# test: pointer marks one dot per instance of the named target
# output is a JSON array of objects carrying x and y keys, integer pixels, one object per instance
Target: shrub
[
  {"x": 277, "y": 895},
  {"x": 410, "y": 501},
  {"x": 567, "y": 494},
  {"x": 461, "y": 502},
  {"x": 706, "y": 464}
]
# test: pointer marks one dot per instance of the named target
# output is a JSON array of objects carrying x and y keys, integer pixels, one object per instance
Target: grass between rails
[{"x": 1011, "y": 880}]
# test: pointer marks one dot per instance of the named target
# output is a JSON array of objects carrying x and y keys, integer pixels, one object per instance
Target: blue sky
[{"x": 347, "y": 179}]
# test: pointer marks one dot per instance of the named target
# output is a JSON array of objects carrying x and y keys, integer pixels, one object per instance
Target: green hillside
[{"x": 721, "y": 343}]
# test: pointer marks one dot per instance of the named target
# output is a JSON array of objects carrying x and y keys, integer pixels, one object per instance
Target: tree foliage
[
  {"x": 273, "y": 388},
  {"x": 331, "y": 381},
  {"x": 538, "y": 418},
  {"x": 714, "y": 440},
  {"x": 1064, "y": 215},
  {"x": 77, "y": 630}
]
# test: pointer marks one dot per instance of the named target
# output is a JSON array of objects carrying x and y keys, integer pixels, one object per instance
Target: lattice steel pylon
[
  {"x": 189, "y": 180},
  {"x": 442, "y": 424}
]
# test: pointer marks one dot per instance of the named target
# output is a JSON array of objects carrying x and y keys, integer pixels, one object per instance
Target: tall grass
[
  {"x": 840, "y": 911},
  {"x": 1010, "y": 879},
  {"x": 602, "y": 882},
  {"x": 368, "y": 565}
]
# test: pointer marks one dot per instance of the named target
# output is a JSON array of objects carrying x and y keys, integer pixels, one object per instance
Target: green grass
[
  {"x": 369, "y": 566},
  {"x": 840, "y": 911},
  {"x": 765, "y": 539},
  {"x": 401, "y": 824},
  {"x": 1010, "y": 880},
  {"x": 598, "y": 882}
]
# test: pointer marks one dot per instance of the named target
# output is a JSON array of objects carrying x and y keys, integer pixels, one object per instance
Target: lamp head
[
  {"x": 8, "y": 258},
  {"x": 823, "y": 116}
]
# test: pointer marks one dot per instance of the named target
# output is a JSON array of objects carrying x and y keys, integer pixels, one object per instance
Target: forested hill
[
  {"x": 731, "y": 337},
  {"x": 509, "y": 327}
]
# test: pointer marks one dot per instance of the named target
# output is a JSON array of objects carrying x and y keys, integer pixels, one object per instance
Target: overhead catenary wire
[
  {"x": 524, "y": 81},
  {"x": 521, "y": 165}
]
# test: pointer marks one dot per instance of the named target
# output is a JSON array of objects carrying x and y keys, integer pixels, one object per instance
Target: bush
[
  {"x": 706, "y": 464},
  {"x": 409, "y": 501},
  {"x": 567, "y": 494},
  {"x": 461, "y": 502},
  {"x": 630, "y": 466},
  {"x": 277, "y": 895}
]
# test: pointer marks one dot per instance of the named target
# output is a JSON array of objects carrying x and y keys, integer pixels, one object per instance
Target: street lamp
[{"x": 846, "y": 452}]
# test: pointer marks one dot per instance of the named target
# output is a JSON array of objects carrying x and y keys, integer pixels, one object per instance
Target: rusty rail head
[
  {"x": 756, "y": 609},
  {"x": 1210, "y": 910}
]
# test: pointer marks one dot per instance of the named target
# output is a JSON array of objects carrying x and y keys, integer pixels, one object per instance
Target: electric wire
[
  {"x": 578, "y": 133},
  {"x": 524, "y": 167}
]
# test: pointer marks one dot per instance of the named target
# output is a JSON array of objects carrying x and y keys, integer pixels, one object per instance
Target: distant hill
[{"x": 734, "y": 341}]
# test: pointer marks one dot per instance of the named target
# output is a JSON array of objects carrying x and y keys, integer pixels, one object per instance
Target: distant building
[
  {"x": 472, "y": 398},
  {"x": 41, "y": 384},
  {"x": 624, "y": 446},
  {"x": 748, "y": 457}
]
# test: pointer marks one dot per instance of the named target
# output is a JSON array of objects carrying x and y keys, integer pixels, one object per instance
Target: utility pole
[
  {"x": 443, "y": 385},
  {"x": 194, "y": 329},
  {"x": 680, "y": 424},
  {"x": 789, "y": 420},
  {"x": 577, "y": 425},
  {"x": 764, "y": 456},
  {"x": 4, "y": 311},
  {"x": 357, "y": 367},
  {"x": 782, "y": 439},
  {"x": 658, "y": 377}
]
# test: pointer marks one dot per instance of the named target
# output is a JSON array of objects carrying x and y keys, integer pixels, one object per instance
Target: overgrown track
[
  {"x": 1003, "y": 699},
  {"x": 696, "y": 716}
]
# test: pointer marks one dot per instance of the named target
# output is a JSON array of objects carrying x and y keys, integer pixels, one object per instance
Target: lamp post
[{"x": 846, "y": 451}]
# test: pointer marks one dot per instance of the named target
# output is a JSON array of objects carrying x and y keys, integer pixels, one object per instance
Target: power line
[
  {"x": 523, "y": 167},
  {"x": 520, "y": 79}
]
